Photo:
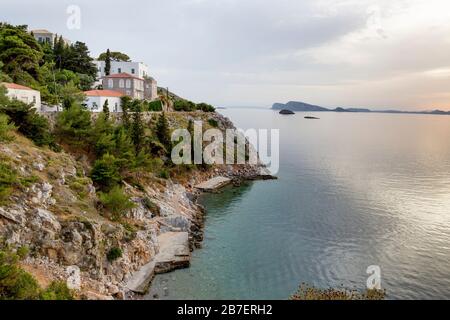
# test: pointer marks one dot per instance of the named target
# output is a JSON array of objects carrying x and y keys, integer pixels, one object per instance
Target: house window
[
  {"x": 34, "y": 99},
  {"x": 116, "y": 107},
  {"x": 121, "y": 83},
  {"x": 94, "y": 106},
  {"x": 128, "y": 93},
  {"x": 133, "y": 71},
  {"x": 119, "y": 70},
  {"x": 110, "y": 83},
  {"x": 128, "y": 84}
]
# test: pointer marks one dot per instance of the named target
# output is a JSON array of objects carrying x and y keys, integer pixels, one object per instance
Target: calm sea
[{"x": 354, "y": 190}]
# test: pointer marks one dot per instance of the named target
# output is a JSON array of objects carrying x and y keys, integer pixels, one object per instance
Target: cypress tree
[
  {"x": 106, "y": 109},
  {"x": 190, "y": 128},
  {"x": 125, "y": 107},
  {"x": 137, "y": 127},
  {"x": 163, "y": 132},
  {"x": 108, "y": 63}
]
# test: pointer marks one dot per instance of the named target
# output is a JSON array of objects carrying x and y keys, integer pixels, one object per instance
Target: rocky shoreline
[
  {"x": 194, "y": 237},
  {"x": 55, "y": 215}
]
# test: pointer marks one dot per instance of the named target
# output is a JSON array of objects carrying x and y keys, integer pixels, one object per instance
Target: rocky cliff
[{"x": 54, "y": 211}]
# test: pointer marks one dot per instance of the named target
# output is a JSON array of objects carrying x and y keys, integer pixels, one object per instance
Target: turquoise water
[{"x": 354, "y": 190}]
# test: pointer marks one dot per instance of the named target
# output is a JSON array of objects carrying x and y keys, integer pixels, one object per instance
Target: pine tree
[
  {"x": 106, "y": 109},
  {"x": 124, "y": 149},
  {"x": 190, "y": 129},
  {"x": 137, "y": 127},
  {"x": 125, "y": 101},
  {"x": 59, "y": 51},
  {"x": 163, "y": 132},
  {"x": 108, "y": 63}
]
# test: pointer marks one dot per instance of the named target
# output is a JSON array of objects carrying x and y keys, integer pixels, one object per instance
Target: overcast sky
[{"x": 367, "y": 53}]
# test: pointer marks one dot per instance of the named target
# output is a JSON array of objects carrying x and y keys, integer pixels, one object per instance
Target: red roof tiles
[
  {"x": 15, "y": 86},
  {"x": 103, "y": 93}
]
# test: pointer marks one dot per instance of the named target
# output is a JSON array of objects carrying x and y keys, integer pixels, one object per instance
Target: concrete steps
[{"x": 174, "y": 253}]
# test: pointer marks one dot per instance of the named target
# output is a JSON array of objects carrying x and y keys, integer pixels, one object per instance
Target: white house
[
  {"x": 137, "y": 69},
  {"x": 95, "y": 100},
  {"x": 45, "y": 36},
  {"x": 24, "y": 94}
]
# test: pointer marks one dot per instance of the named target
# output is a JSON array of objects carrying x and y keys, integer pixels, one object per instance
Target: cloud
[{"x": 374, "y": 53}]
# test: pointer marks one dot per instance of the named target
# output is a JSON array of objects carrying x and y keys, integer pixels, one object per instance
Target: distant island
[
  {"x": 287, "y": 112},
  {"x": 297, "y": 106}
]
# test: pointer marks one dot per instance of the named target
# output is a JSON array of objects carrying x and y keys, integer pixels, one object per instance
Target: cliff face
[{"x": 54, "y": 211}]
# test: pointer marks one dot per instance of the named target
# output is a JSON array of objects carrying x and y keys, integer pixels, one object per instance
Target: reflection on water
[{"x": 355, "y": 190}]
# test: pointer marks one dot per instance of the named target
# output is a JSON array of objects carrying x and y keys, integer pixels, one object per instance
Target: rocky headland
[{"x": 56, "y": 215}]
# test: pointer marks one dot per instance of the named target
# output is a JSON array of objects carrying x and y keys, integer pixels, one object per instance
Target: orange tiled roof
[
  {"x": 15, "y": 86},
  {"x": 103, "y": 93}
]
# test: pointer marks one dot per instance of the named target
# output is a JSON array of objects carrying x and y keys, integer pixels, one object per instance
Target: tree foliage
[
  {"x": 114, "y": 56},
  {"x": 17, "y": 284},
  {"x": 5, "y": 129},
  {"x": 26, "y": 120},
  {"x": 20, "y": 54},
  {"x": 162, "y": 132},
  {"x": 106, "y": 172},
  {"x": 108, "y": 63},
  {"x": 137, "y": 130},
  {"x": 73, "y": 125},
  {"x": 117, "y": 202},
  {"x": 106, "y": 109}
]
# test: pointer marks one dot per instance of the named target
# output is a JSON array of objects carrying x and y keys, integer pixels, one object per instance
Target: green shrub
[
  {"x": 164, "y": 174},
  {"x": 130, "y": 232},
  {"x": 79, "y": 185},
  {"x": 184, "y": 105},
  {"x": 105, "y": 172},
  {"x": 5, "y": 129},
  {"x": 28, "y": 122},
  {"x": 205, "y": 107},
  {"x": 154, "y": 106},
  {"x": 28, "y": 181},
  {"x": 117, "y": 202},
  {"x": 23, "y": 252},
  {"x": 57, "y": 290},
  {"x": 114, "y": 254},
  {"x": 150, "y": 205},
  {"x": 15, "y": 283},
  {"x": 162, "y": 132},
  {"x": 213, "y": 123},
  {"x": 8, "y": 178},
  {"x": 73, "y": 125}
]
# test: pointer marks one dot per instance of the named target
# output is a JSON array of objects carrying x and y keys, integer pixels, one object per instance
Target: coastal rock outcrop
[{"x": 55, "y": 213}]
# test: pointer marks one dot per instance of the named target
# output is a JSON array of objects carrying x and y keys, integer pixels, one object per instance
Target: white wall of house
[
  {"x": 27, "y": 96},
  {"x": 137, "y": 69},
  {"x": 151, "y": 90},
  {"x": 45, "y": 36},
  {"x": 47, "y": 108},
  {"x": 95, "y": 103}
]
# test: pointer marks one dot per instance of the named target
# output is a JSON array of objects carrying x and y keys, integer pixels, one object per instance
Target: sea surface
[{"x": 354, "y": 190}]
